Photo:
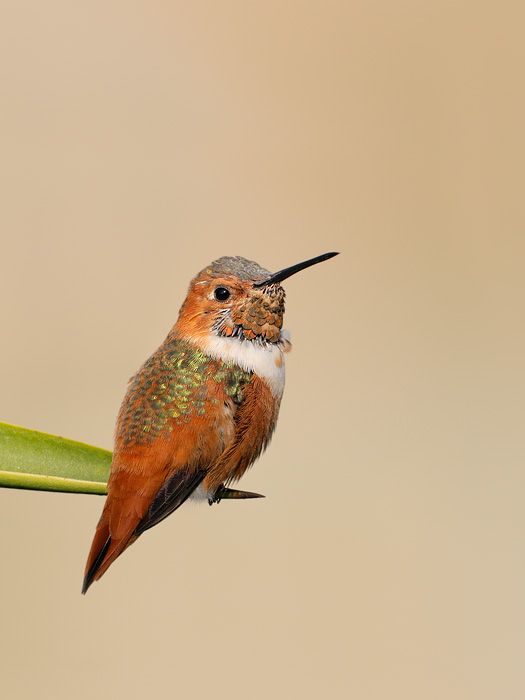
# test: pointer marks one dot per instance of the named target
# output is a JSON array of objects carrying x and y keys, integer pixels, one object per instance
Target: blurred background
[{"x": 140, "y": 141}]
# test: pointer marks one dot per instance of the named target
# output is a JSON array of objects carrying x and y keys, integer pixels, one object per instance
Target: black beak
[{"x": 289, "y": 271}]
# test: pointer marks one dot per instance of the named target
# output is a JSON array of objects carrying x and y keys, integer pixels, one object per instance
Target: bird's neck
[{"x": 264, "y": 359}]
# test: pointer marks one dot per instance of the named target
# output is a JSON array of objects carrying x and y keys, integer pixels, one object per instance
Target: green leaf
[{"x": 33, "y": 460}]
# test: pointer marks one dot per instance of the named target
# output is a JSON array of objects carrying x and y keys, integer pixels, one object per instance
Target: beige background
[{"x": 141, "y": 140}]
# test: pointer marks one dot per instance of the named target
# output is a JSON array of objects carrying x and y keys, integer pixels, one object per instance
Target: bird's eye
[{"x": 221, "y": 293}]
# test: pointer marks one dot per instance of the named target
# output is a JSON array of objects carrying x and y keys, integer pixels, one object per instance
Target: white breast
[{"x": 267, "y": 361}]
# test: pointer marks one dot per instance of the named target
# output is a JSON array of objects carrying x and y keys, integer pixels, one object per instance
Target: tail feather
[
  {"x": 104, "y": 551},
  {"x": 122, "y": 512},
  {"x": 93, "y": 568}
]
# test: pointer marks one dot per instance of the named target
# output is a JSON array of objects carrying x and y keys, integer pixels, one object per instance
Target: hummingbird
[{"x": 202, "y": 408}]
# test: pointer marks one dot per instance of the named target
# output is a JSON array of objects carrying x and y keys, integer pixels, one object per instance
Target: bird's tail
[{"x": 103, "y": 553}]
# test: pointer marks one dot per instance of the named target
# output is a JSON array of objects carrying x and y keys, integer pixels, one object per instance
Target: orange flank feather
[{"x": 255, "y": 422}]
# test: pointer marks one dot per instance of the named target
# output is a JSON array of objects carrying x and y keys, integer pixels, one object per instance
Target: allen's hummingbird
[{"x": 202, "y": 408}]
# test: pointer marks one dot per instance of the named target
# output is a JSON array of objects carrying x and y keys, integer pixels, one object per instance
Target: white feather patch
[
  {"x": 200, "y": 494},
  {"x": 267, "y": 361}
]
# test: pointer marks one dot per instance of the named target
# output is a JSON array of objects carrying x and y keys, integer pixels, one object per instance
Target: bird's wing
[{"x": 172, "y": 494}]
